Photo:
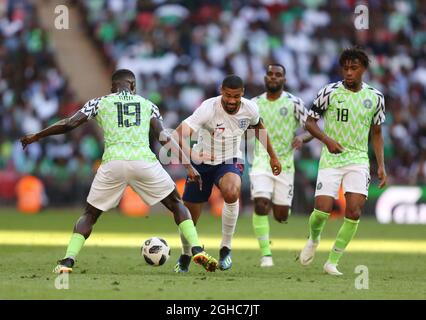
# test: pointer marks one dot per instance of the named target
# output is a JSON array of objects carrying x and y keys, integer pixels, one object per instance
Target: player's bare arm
[
  {"x": 60, "y": 127},
  {"x": 332, "y": 145},
  {"x": 164, "y": 137},
  {"x": 377, "y": 141},
  {"x": 181, "y": 134},
  {"x": 274, "y": 162}
]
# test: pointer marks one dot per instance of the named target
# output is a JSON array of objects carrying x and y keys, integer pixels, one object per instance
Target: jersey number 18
[{"x": 342, "y": 115}]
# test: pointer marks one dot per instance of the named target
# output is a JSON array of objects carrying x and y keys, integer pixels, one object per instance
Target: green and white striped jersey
[
  {"x": 281, "y": 119},
  {"x": 125, "y": 121},
  {"x": 348, "y": 117}
]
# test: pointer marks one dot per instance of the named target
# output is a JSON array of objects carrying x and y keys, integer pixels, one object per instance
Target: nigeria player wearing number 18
[
  {"x": 351, "y": 109},
  {"x": 281, "y": 113},
  {"x": 127, "y": 120}
]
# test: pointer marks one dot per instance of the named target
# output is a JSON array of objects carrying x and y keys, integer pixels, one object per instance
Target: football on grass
[{"x": 155, "y": 251}]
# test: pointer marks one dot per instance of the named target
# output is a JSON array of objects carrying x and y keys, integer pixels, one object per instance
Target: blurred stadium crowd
[{"x": 181, "y": 50}]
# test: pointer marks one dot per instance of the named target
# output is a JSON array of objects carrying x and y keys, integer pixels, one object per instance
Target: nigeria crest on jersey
[
  {"x": 283, "y": 111},
  {"x": 367, "y": 103}
]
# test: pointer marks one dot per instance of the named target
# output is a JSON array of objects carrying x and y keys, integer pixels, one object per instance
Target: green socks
[
  {"x": 317, "y": 221},
  {"x": 76, "y": 243},
  {"x": 188, "y": 230},
  {"x": 344, "y": 236},
  {"x": 261, "y": 230}
]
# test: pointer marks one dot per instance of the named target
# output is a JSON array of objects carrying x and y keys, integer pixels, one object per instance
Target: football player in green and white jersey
[
  {"x": 126, "y": 119},
  {"x": 282, "y": 113},
  {"x": 351, "y": 110}
]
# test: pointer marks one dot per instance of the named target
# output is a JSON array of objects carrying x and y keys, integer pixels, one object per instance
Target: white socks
[{"x": 229, "y": 221}]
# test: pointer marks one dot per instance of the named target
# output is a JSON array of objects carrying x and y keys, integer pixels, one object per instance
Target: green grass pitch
[{"x": 110, "y": 265}]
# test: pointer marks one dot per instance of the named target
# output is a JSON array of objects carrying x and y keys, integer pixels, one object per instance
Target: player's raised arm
[
  {"x": 274, "y": 162},
  {"x": 88, "y": 111},
  {"x": 60, "y": 127}
]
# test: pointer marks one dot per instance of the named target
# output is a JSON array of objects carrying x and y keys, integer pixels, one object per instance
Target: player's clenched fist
[
  {"x": 333, "y": 146},
  {"x": 28, "y": 139},
  {"x": 276, "y": 166}
]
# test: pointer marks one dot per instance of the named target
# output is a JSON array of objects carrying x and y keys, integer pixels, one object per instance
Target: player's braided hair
[{"x": 354, "y": 53}]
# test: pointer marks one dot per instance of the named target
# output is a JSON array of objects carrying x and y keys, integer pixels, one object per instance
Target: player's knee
[
  {"x": 172, "y": 201},
  {"x": 261, "y": 206},
  {"x": 324, "y": 207},
  {"x": 281, "y": 214},
  {"x": 231, "y": 194},
  {"x": 353, "y": 213}
]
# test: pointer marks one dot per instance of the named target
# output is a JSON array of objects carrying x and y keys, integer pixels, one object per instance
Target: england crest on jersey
[{"x": 243, "y": 123}]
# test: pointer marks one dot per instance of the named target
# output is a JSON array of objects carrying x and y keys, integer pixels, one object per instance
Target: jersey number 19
[{"x": 126, "y": 110}]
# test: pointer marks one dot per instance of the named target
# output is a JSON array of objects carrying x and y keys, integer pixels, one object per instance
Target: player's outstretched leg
[
  {"x": 182, "y": 265},
  {"x": 182, "y": 217},
  {"x": 82, "y": 230},
  {"x": 317, "y": 221},
  {"x": 199, "y": 256},
  {"x": 202, "y": 258}
]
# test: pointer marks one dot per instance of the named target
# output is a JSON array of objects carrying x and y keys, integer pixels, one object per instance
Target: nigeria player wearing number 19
[
  {"x": 351, "y": 109},
  {"x": 127, "y": 120}
]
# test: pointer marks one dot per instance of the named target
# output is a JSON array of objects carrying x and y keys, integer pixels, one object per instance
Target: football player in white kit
[{"x": 220, "y": 123}]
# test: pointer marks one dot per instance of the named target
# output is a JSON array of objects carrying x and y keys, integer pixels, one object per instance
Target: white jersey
[{"x": 219, "y": 133}]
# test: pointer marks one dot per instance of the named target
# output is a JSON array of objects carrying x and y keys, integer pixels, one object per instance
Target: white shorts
[
  {"x": 354, "y": 178},
  {"x": 148, "y": 179},
  {"x": 279, "y": 188}
]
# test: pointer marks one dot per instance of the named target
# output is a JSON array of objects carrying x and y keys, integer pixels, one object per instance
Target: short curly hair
[
  {"x": 232, "y": 81},
  {"x": 354, "y": 53}
]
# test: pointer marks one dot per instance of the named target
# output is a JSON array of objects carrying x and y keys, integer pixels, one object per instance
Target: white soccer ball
[{"x": 155, "y": 251}]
